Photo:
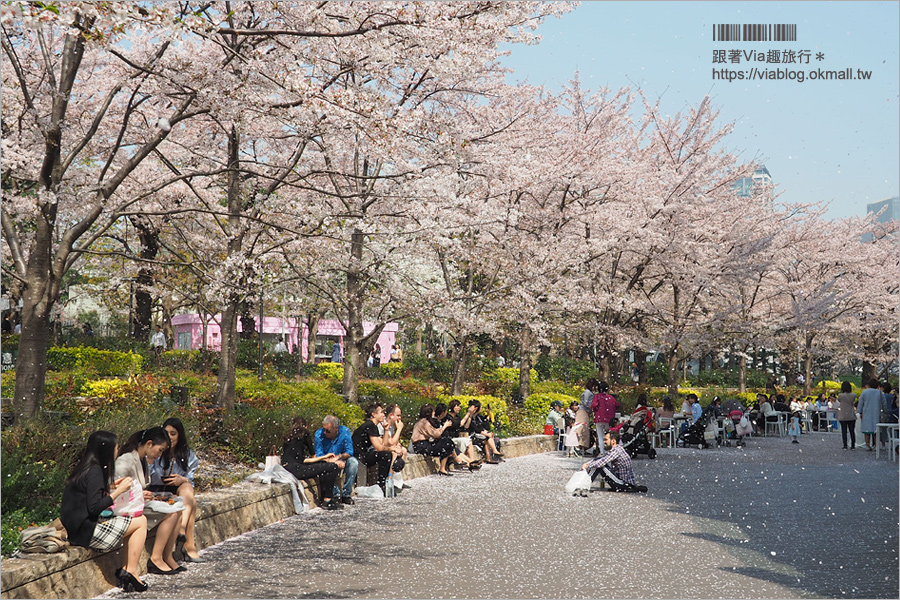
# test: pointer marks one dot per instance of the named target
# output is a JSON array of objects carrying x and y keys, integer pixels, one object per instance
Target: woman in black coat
[
  {"x": 86, "y": 508},
  {"x": 299, "y": 457}
]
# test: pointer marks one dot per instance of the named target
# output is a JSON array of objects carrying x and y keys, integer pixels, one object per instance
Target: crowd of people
[
  {"x": 875, "y": 404},
  {"x": 150, "y": 464},
  {"x": 159, "y": 460},
  {"x": 105, "y": 500}
]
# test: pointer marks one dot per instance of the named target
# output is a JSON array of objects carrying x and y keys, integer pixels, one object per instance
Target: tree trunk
[
  {"x": 313, "y": 327},
  {"x": 673, "y": 372},
  {"x": 227, "y": 358},
  {"x": 640, "y": 359},
  {"x": 248, "y": 322},
  {"x": 460, "y": 354},
  {"x": 742, "y": 374},
  {"x": 869, "y": 371},
  {"x": 148, "y": 236},
  {"x": 354, "y": 334},
  {"x": 603, "y": 366},
  {"x": 419, "y": 341},
  {"x": 807, "y": 363},
  {"x": 526, "y": 340},
  {"x": 31, "y": 363},
  {"x": 228, "y": 353},
  {"x": 525, "y": 377}
]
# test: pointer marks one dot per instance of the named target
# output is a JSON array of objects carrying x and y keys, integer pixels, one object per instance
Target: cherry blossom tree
[{"x": 82, "y": 112}]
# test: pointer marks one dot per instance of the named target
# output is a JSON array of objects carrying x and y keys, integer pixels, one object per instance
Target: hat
[{"x": 555, "y": 404}]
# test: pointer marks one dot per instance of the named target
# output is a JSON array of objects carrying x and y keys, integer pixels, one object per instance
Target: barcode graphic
[{"x": 759, "y": 32}]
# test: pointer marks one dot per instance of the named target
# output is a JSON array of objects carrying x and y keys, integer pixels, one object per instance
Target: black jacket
[{"x": 82, "y": 503}]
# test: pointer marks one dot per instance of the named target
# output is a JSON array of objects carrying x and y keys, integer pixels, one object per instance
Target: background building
[
  {"x": 889, "y": 209},
  {"x": 745, "y": 185}
]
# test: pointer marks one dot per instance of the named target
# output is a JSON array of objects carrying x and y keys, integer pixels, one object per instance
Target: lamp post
[
  {"x": 566, "y": 348},
  {"x": 260, "y": 329}
]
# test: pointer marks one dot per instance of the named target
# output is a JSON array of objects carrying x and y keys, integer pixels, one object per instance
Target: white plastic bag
[
  {"x": 370, "y": 491},
  {"x": 165, "y": 507},
  {"x": 279, "y": 474},
  {"x": 131, "y": 503},
  {"x": 580, "y": 480}
]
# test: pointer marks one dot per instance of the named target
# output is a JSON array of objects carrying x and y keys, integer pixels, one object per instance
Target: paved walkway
[{"x": 773, "y": 520}]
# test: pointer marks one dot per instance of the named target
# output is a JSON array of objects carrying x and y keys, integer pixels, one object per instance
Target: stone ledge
[{"x": 223, "y": 514}]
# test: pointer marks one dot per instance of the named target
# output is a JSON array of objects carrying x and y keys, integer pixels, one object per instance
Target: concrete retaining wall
[{"x": 225, "y": 513}]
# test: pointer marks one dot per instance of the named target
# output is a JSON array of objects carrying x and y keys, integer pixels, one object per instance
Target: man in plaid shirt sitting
[{"x": 614, "y": 466}]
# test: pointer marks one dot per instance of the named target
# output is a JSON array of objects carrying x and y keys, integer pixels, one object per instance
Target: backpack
[{"x": 44, "y": 540}]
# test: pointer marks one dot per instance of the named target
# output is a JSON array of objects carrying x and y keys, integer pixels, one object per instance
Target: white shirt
[
  {"x": 280, "y": 347},
  {"x": 158, "y": 340}
]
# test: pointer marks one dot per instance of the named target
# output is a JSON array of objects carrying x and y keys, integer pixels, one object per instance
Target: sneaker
[{"x": 641, "y": 488}]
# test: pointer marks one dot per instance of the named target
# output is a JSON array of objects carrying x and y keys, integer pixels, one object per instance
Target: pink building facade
[{"x": 188, "y": 335}]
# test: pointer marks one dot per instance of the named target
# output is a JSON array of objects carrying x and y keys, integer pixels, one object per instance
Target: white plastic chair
[
  {"x": 777, "y": 425},
  {"x": 667, "y": 433},
  {"x": 893, "y": 442}
]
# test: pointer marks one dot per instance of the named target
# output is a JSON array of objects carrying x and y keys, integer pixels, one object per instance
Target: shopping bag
[
  {"x": 273, "y": 458},
  {"x": 397, "y": 477},
  {"x": 578, "y": 481},
  {"x": 548, "y": 429},
  {"x": 370, "y": 491},
  {"x": 131, "y": 503}
]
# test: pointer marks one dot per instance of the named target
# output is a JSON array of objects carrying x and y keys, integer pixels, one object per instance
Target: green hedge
[
  {"x": 538, "y": 405},
  {"x": 560, "y": 368},
  {"x": 504, "y": 382},
  {"x": 105, "y": 363}
]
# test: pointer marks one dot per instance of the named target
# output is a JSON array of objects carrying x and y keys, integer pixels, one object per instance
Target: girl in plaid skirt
[{"x": 86, "y": 510}]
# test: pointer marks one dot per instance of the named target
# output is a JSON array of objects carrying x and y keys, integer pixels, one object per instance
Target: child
[{"x": 794, "y": 427}]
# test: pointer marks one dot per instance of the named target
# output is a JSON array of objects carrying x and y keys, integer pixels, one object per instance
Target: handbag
[
  {"x": 44, "y": 540},
  {"x": 272, "y": 459}
]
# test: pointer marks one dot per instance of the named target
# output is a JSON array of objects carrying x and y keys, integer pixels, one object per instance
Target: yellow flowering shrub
[{"x": 330, "y": 370}]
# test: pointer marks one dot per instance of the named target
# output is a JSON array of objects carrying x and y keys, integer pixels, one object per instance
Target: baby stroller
[
  {"x": 636, "y": 434},
  {"x": 695, "y": 434},
  {"x": 742, "y": 425}
]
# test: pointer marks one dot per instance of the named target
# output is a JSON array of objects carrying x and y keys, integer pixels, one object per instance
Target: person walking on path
[
  {"x": 846, "y": 414},
  {"x": 869, "y": 408}
]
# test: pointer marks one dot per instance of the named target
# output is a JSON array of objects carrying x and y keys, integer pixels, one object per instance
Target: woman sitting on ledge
[
  {"x": 142, "y": 448},
  {"x": 174, "y": 472},
  {"x": 426, "y": 439},
  {"x": 86, "y": 510},
  {"x": 299, "y": 457}
]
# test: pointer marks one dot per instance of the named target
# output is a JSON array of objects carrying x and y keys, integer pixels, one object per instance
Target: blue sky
[{"x": 833, "y": 141}]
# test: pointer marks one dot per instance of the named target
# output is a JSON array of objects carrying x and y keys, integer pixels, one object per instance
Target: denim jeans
[{"x": 351, "y": 467}]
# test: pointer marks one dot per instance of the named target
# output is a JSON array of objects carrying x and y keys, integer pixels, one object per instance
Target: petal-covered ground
[{"x": 771, "y": 520}]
